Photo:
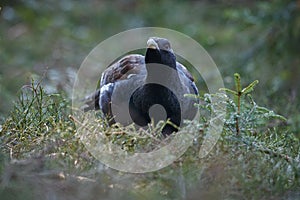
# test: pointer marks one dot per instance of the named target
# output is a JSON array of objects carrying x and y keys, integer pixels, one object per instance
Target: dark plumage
[{"x": 158, "y": 79}]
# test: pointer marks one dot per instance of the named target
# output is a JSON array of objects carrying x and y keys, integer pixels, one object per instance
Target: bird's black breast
[{"x": 150, "y": 94}]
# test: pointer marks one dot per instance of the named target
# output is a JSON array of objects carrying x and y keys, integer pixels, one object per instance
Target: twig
[{"x": 268, "y": 151}]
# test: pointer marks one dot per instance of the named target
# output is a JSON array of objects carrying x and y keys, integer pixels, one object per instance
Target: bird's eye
[{"x": 167, "y": 47}]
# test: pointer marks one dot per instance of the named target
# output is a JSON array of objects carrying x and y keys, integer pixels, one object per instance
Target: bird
[{"x": 156, "y": 79}]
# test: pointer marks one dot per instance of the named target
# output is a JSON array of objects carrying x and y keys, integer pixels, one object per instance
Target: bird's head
[{"x": 159, "y": 51}]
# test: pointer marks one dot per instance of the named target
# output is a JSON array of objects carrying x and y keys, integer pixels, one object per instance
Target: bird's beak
[{"x": 152, "y": 44}]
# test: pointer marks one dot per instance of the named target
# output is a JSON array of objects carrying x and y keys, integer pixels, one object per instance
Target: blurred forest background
[{"x": 258, "y": 39}]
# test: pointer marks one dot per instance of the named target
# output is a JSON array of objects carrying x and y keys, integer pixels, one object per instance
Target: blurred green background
[{"x": 258, "y": 39}]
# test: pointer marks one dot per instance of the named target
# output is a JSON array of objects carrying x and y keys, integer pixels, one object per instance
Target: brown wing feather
[
  {"x": 126, "y": 66},
  {"x": 131, "y": 64}
]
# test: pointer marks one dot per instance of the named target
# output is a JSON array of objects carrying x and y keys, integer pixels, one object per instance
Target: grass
[{"x": 40, "y": 149}]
